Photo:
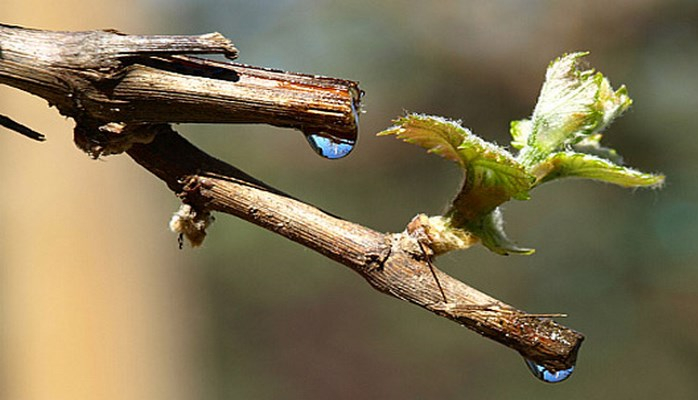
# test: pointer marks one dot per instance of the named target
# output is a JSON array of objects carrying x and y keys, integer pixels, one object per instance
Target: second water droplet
[
  {"x": 546, "y": 375},
  {"x": 329, "y": 147}
]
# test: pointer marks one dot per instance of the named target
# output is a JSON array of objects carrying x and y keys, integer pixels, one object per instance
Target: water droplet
[
  {"x": 338, "y": 140},
  {"x": 546, "y": 375},
  {"x": 330, "y": 147}
]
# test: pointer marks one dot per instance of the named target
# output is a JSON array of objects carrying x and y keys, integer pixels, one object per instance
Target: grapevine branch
[{"x": 123, "y": 91}]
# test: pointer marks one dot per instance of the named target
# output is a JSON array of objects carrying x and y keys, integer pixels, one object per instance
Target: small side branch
[{"x": 391, "y": 263}]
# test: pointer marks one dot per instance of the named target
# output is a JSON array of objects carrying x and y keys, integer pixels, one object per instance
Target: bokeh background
[{"x": 97, "y": 302}]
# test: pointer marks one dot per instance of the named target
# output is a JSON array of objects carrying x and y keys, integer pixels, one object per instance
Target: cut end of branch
[
  {"x": 217, "y": 41},
  {"x": 191, "y": 224}
]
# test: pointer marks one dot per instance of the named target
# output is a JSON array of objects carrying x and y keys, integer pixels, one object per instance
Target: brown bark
[{"x": 123, "y": 90}]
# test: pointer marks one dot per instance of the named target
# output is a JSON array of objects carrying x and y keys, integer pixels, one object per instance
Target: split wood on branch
[{"x": 124, "y": 90}]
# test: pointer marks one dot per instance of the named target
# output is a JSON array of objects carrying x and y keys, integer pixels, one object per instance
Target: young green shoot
[{"x": 562, "y": 139}]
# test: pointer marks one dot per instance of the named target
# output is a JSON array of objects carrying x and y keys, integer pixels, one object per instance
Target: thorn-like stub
[
  {"x": 376, "y": 258},
  {"x": 8, "y": 123},
  {"x": 407, "y": 243},
  {"x": 191, "y": 223}
]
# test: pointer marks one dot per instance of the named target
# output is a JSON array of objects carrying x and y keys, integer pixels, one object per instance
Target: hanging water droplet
[
  {"x": 334, "y": 141},
  {"x": 546, "y": 375},
  {"x": 329, "y": 147}
]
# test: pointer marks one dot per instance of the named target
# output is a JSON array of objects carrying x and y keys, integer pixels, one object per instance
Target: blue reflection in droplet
[
  {"x": 547, "y": 375},
  {"x": 328, "y": 147}
]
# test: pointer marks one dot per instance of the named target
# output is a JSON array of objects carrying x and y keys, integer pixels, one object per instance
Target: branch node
[
  {"x": 375, "y": 258},
  {"x": 192, "y": 187},
  {"x": 99, "y": 138},
  {"x": 437, "y": 235}
]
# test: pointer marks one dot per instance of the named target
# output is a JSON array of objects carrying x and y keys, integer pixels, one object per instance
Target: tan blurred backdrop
[
  {"x": 96, "y": 302},
  {"x": 82, "y": 283}
]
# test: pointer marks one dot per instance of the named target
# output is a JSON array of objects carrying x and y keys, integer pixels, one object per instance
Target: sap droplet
[
  {"x": 330, "y": 148},
  {"x": 546, "y": 375}
]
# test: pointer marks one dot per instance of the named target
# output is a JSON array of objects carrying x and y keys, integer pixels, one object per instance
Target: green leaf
[
  {"x": 571, "y": 164},
  {"x": 572, "y": 104},
  {"x": 492, "y": 175},
  {"x": 436, "y": 134},
  {"x": 611, "y": 104},
  {"x": 520, "y": 131},
  {"x": 490, "y": 230}
]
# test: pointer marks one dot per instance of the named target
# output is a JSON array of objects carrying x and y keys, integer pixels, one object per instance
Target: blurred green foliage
[{"x": 284, "y": 322}]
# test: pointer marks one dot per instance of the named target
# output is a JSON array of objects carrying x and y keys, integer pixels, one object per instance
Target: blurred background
[{"x": 96, "y": 301}]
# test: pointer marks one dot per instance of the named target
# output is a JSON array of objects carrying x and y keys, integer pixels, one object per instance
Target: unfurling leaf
[
  {"x": 490, "y": 230},
  {"x": 562, "y": 138},
  {"x": 492, "y": 175},
  {"x": 571, "y": 164},
  {"x": 520, "y": 131},
  {"x": 572, "y": 104},
  {"x": 436, "y": 134}
]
